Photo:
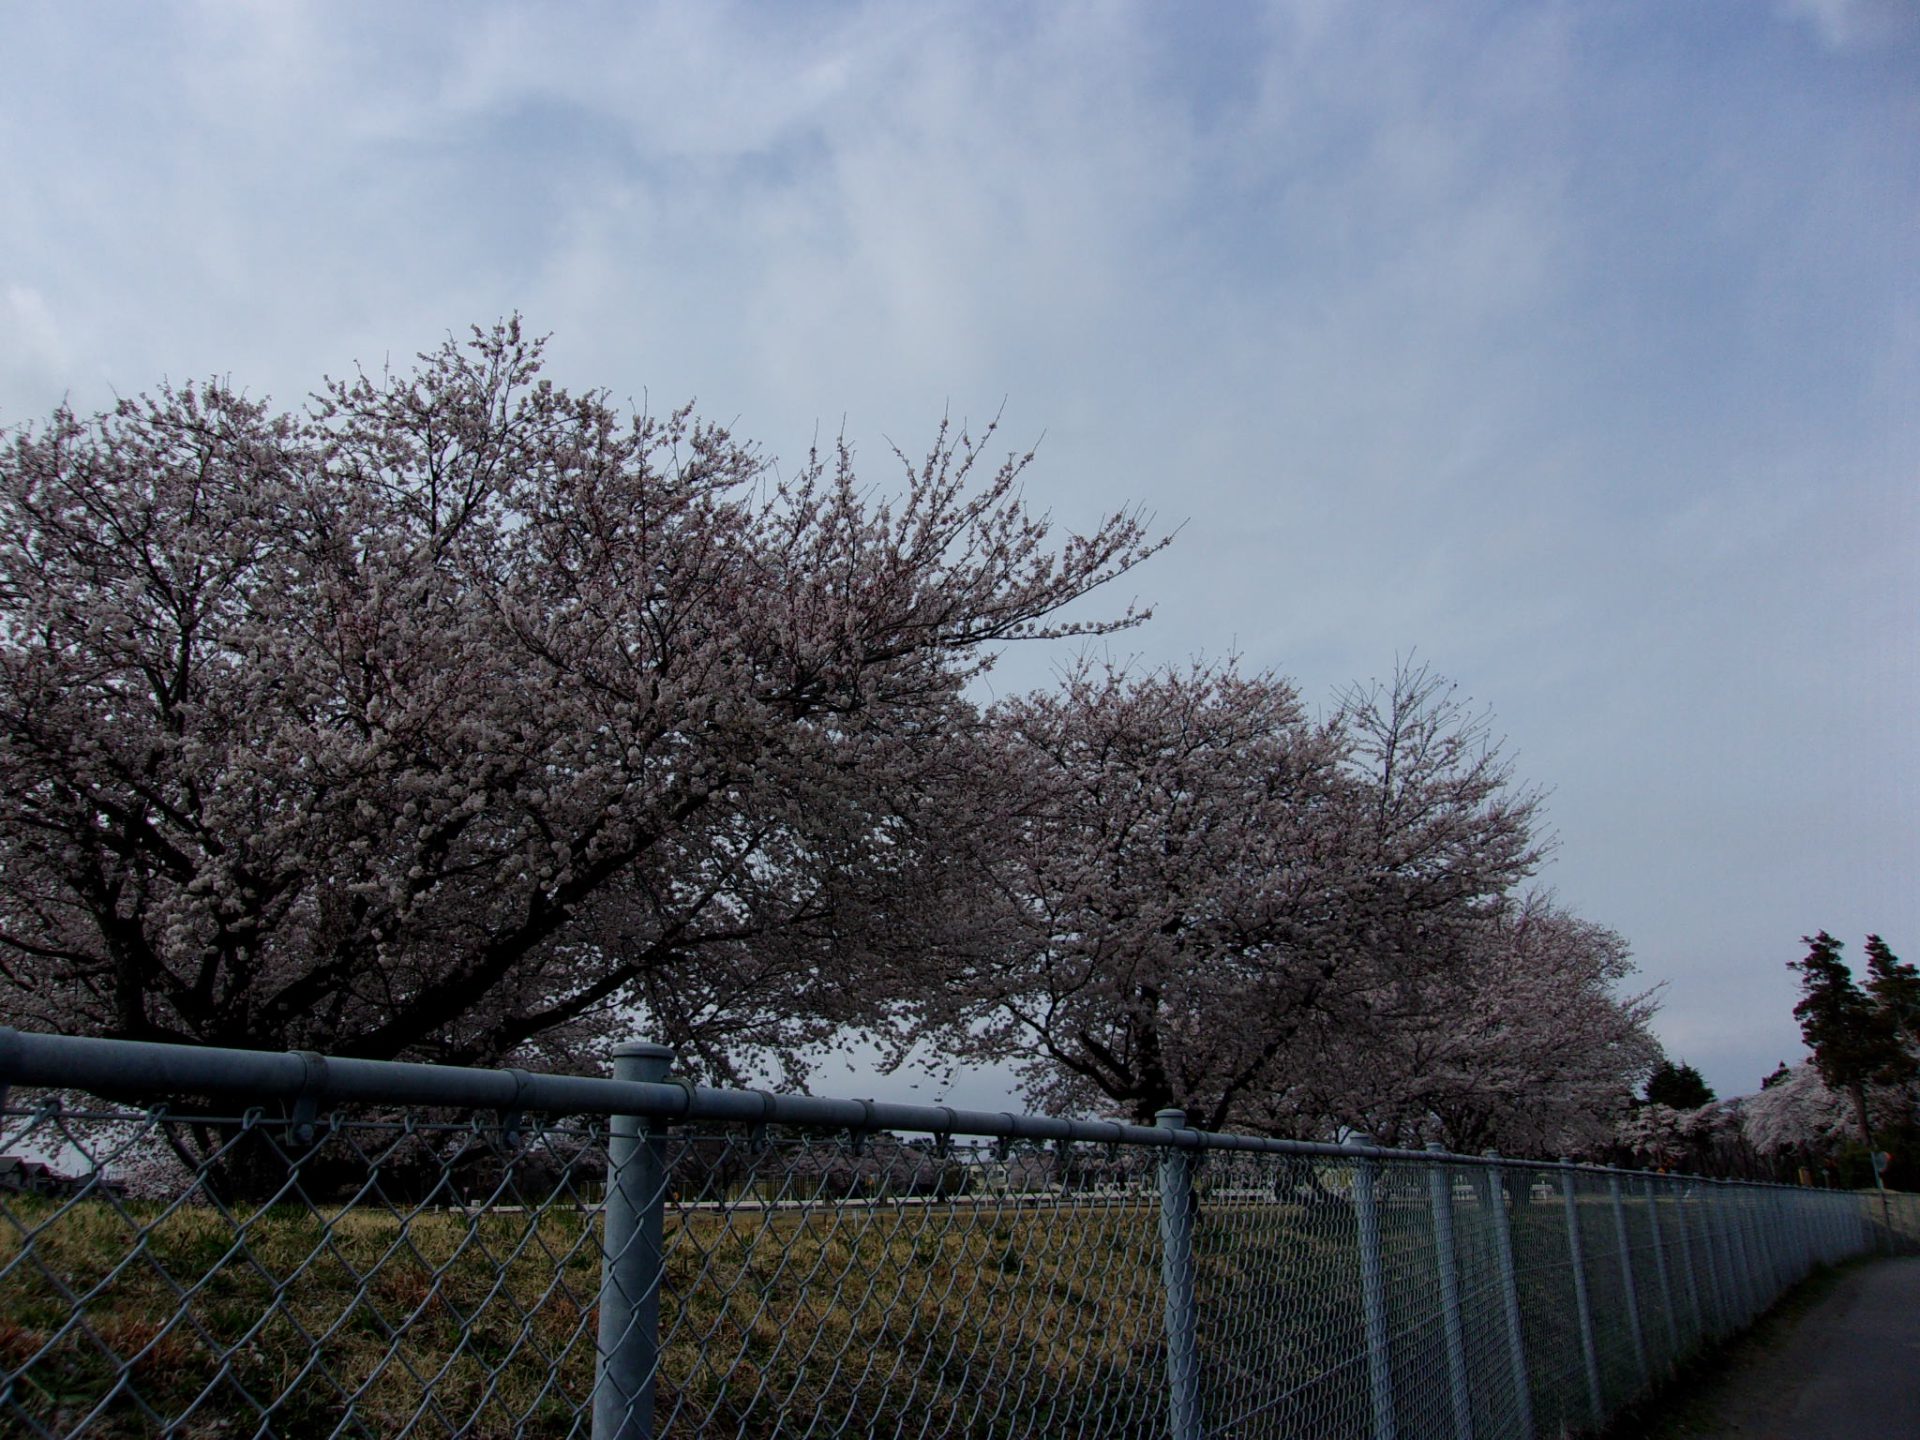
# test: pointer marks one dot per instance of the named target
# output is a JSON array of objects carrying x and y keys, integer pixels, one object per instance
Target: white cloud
[
  {"x": 1570, "y": 346},
  {"x": 35, "y": 362},
  {"x": 1850, "y": 24}
]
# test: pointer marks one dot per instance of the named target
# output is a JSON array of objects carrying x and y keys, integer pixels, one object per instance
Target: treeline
[
  {"x": 1821, "y": 1121},
  {"x": 459, "y": 717}
]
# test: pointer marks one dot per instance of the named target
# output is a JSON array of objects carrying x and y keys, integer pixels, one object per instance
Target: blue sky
[{"x": 1576, "y": 347}]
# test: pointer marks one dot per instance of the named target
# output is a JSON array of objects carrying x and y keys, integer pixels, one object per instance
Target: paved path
[{"x": 1848, "y": 1370}]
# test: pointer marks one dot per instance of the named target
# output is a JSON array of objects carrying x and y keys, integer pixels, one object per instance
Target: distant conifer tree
[
  {"x": 1678, "y": 1087},
  {"x": 1853, "y": 1039}
]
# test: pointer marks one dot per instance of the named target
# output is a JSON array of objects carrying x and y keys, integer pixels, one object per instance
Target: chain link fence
[{"x": 221, "y": 1243}]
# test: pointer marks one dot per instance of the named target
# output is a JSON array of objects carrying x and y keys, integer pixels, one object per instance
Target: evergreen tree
[
  {"x": 1852, "y": 1041},
  {"x": 1894, "y": 987},
  {"x": 1678, "y": 1087}
]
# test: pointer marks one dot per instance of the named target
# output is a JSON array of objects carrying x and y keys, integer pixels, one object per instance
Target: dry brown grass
[{"x": 486, "y": 1325}]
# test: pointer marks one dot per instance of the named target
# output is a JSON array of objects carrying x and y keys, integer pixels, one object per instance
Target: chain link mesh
[{"x": 185, "y": 1271}]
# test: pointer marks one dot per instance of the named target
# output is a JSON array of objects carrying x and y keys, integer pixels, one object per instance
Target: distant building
[{"x": 21, "y": 1176}]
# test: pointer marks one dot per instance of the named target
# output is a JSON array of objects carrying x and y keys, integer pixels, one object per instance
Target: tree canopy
[
  {"x": 1859, "y": 1038},
  {"x": 445, "y": 716},
  {"x": 460, "y": 717},
  {"x": 1204, "y": 899},
  {"x": 1678, "y": 1087},
  {"x": 1859, "y": 1093}
]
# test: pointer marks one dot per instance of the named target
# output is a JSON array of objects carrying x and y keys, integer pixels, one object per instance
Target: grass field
[
  {"x": 970, "y": 1315},
  {"x": 974, "y": 1317},
  {"x": 983, "y": 1321}
]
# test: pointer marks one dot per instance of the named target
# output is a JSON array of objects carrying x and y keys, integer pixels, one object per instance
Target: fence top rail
[{"x": 124, "y": 1069}]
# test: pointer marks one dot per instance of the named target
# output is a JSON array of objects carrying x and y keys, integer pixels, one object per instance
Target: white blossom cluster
[
  {"x": 461, "y": 717},
  {"x": 458, "y": 713}
]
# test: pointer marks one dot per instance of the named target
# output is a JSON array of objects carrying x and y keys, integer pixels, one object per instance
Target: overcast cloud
[{"x": 1576, "y": 347}]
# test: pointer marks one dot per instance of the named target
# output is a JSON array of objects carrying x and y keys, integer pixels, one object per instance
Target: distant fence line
[{"x": 292, "y": 1244}]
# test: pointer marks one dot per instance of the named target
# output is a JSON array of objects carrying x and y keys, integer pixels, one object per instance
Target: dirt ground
[{"x": 1843, "y": 1365}]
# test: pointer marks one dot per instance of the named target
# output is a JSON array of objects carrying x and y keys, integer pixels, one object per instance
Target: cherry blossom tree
[
  {"x": 1798, "y": 1116},
  {"x": 1199, "y": 887},
  {"x": 460, "y": 713},
  {"x": 1162, "y": 874},
  {"x": 1708, "y": 1140},
  {"x": 1528, "y": 1043},
  {"x": 1795, "y": 1122}
]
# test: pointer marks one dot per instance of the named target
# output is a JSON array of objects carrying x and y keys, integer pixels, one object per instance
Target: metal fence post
[
  {"x": 1721, "y": 1260},
  {"x": 1587, "y": 1351},
  {"x": 1751, "y": 1253},
  {"x": 1176, "y": 1271},
  {"x": 1770, "y": 1243},
  {"x": 1510, "y": 1298},
  {"x": 1800, "y": 1221},
  {"x": 1687, "y": 1266},
  {"x": 632, "y": 1260},
  {"x": 1748, "y": 1283},
  {"x": 1886, "y": 1214},
  {"x": 1440, "y": 1193},
  {"x": 1773, "y": 1243},
  {"x": 1793, "y": 1218},
  {"x": 1760, "y": 1228},
  {"x": 1728, "y": 1200},
  {"x": 1627, "y": 1281},
  {"x": 1786, "y": 1243},
  {"x": 1780, "y": 1227},
  {"x": 1373, "y": 1293},
  {"x": 1652, "y": 1192}
]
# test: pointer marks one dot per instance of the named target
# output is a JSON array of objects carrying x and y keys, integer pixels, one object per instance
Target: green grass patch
[{"x": 140, "y": 1320}]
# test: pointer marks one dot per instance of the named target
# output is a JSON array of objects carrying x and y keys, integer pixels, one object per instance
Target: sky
[{"x": 1574, "y": 349}]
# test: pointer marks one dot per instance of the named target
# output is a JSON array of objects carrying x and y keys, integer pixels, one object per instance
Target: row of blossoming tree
[
  {"x": 1857, "y": 1094},
  {"x": 459, "y": 717}
]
